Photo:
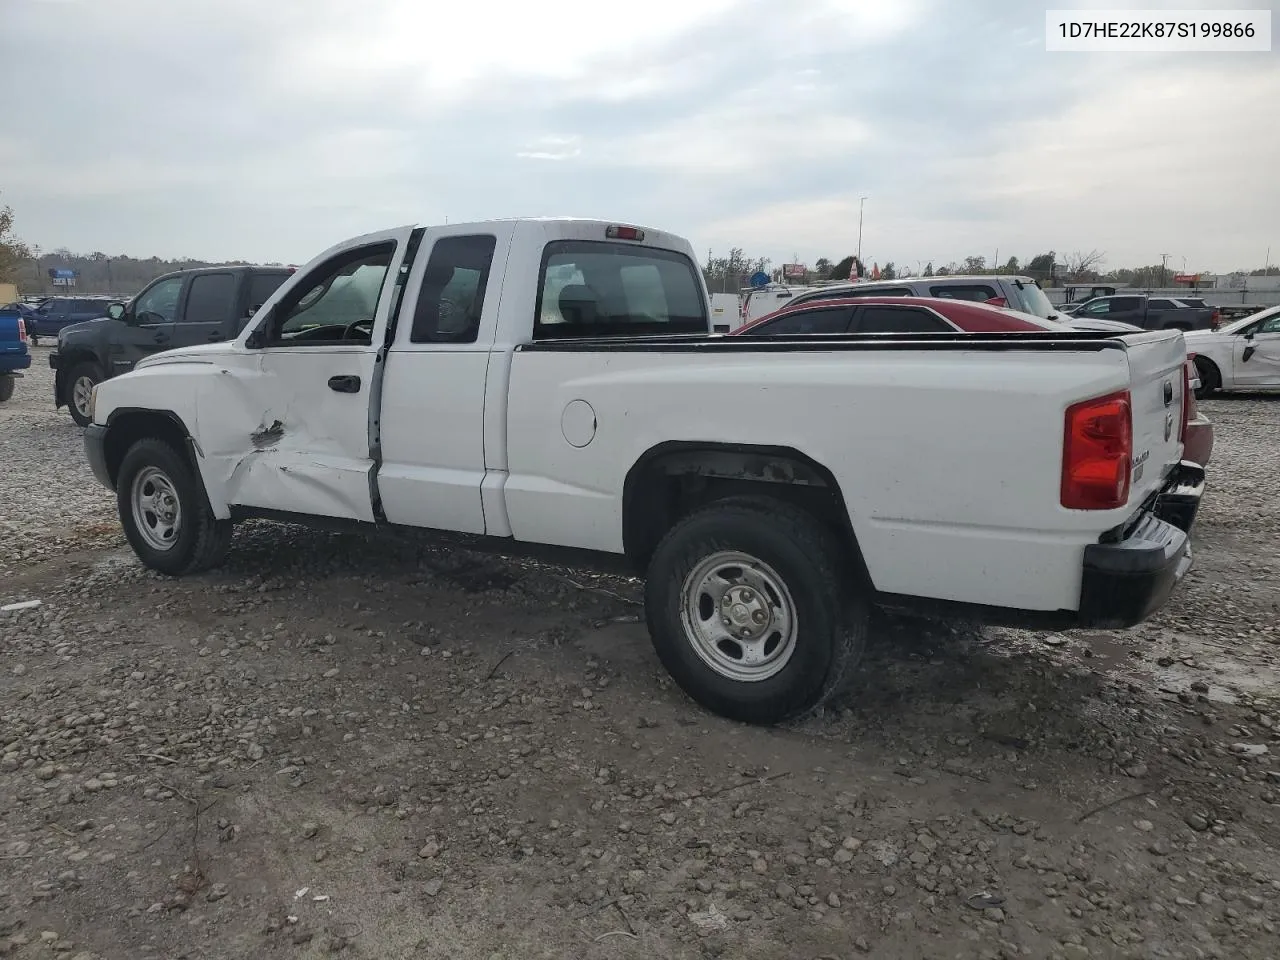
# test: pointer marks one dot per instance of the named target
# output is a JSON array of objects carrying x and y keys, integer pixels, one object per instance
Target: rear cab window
[{"x": 591, "y": 288}]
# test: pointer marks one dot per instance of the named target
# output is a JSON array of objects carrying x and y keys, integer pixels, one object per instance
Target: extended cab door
[
  {"x": 432, "y": 409},
  {"x": 287, "y": 428},
  {"x": 208, "y": 309}
]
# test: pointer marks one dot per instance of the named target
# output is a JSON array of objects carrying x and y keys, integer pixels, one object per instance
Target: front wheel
[
  {"x": 165, "y": 513},
  {"x": 80, "y": 383},
  {"x": 753, "y": 612}
]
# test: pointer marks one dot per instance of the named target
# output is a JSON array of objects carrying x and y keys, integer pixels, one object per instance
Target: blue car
[
  {"x": 14, "y": 355},
  {"x": 55, "y": 313}
]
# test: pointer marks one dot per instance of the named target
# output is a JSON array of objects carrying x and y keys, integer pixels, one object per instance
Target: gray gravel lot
[{"x": 341, "y": 747}]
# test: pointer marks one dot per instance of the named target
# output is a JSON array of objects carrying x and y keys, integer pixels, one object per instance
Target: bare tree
[{"x": 1084, "y": 266}]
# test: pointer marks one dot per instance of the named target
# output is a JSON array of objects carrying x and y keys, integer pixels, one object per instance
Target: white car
[
  {"x": 545, "y": 384},
  {"x": 1244, "y": 355}
]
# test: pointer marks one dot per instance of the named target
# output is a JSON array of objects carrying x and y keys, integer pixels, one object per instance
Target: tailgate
[{"x": 1156, "y": 379}]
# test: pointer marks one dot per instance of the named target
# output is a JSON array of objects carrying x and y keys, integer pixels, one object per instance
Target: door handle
[
  {"x": 345, "y": 384},
  {"x": 162, "y": 338}
]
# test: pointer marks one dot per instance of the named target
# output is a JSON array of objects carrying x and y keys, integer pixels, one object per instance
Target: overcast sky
[{"x": 268, "y": 129}]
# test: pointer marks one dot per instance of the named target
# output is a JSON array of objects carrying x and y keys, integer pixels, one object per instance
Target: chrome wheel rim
[
  {"x": 81, "y": 393},
  {"x": 739, "y": 616},
  {"x": 157, "y": 512}
]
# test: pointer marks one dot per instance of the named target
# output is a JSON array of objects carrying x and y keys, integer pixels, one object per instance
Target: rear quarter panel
[{"x": 949, "y": 462}]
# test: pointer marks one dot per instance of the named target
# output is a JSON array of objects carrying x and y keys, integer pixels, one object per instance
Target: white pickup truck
[{"x": 551, "y": 383}]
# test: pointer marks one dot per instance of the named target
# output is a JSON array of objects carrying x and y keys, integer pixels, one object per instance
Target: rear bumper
[
  {"x": 14, "y": 361},
  {"x": 1131, "y": 576},
  {"x": 95, "y": 451}
]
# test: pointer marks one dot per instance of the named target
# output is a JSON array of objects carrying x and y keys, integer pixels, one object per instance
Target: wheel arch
[
  {"x": 671, "y": 479},
  {"x": 1210, "y": 372},
  {"x": 127, "y": 425},
  {"x": 66, "y": 363}
]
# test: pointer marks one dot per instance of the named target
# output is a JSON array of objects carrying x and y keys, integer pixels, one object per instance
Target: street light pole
[{"x": 861, "y": 202}]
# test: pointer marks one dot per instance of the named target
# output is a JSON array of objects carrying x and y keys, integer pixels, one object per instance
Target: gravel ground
[{"x": 379, "y": 749}]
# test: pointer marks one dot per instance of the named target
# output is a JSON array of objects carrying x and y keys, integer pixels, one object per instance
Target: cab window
[
  {"x": 599, "y": 289},
  {"x": 336, "y": 304}
]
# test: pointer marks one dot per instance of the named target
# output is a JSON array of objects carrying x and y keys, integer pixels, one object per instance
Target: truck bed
[{"x": 914, "y": 441}]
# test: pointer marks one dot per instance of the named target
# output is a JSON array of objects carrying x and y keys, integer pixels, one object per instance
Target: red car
[
  {"x": 935, "y": 315},
  {"x": 890, "y": 315}
]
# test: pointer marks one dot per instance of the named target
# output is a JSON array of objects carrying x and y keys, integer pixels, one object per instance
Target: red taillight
[
  {"x": 616, "y": 232},
  {"x": 1215, "y": 319},
  {"x": 1189, "y": 409},
  {"x": 997, "y": 301},
  {"x": 22, "y": 330},
  {"x": 1097, "y": 453}
]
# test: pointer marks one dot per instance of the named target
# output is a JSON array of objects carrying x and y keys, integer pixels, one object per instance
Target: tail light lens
[
  {"x": 1097, "y": 453},
  {"x": 997, "y": 301},
  {"x": 1215, "y": 319},
  {"x": 1189, "y": 384},
  {"x": 22, "y": 330}
]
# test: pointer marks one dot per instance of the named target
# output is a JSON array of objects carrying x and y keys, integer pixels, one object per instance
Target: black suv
[{"x": 177, "y": 310}]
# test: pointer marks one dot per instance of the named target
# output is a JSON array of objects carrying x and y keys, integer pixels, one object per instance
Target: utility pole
[
  {"x": 1164, "y": 259},
  {"x": 861, "y": 202}
]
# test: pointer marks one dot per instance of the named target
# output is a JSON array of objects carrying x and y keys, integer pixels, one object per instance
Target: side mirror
[
  {"x": 116, "y": 311},
  {"x": 257, "y": 338}
]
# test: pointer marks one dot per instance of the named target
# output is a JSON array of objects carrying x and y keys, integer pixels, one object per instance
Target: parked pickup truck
[
  {"x": 15, "y": 354},
  {"x": 539, "y": 384},
  {"x": 180, "y": 309},
  {"x": 1150, "y": 313}
]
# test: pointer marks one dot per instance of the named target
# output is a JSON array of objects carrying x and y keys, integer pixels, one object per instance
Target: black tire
[
  {"x": 78, "y": 372},
  {"x": 1210, "y": 377},
  {"x": 6, "y": 388},
  {"x": 830, "y": 612},
  {"x": 201, "y": 541}
]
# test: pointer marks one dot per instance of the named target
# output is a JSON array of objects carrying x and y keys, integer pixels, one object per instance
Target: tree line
[
  {"x": 98, "y": 272},
  {"x": 28, "y": 266},
  {"x": 730, "y": 273}
]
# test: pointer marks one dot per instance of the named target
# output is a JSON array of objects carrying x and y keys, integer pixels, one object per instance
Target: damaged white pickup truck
[{"x": 553, "y": 383}]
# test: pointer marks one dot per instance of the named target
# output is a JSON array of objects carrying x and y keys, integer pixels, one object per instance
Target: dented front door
[{"x": 288, "y": 422}]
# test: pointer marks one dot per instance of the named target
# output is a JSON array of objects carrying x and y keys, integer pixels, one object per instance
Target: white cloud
[{"x": 552, "y": 148}]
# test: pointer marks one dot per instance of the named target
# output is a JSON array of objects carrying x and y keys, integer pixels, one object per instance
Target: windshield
[
  {"x": 1246, "y": 321},
  {"x": 1035, "y": 301}
]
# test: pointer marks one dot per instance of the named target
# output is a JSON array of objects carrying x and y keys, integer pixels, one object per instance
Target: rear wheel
[
  {"x": 1210, "y": 377},
  {"x": 6, "y": 388},
  {"x": 165, "y": 513},
  {"x": 80, "y": 383},
  {"x": 753, "y": 611}
]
